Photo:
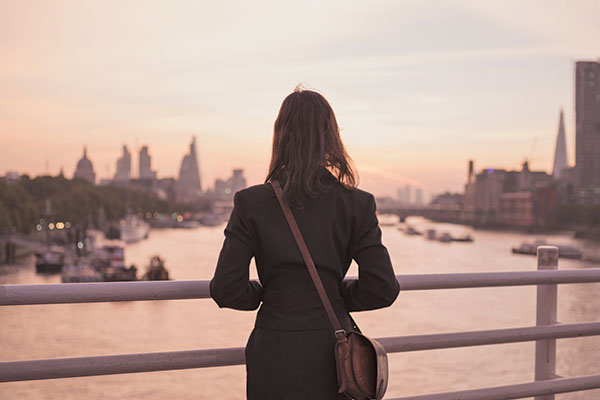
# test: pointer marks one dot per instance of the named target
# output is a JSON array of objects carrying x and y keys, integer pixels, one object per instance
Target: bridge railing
[{"x": 545, "y": 333}]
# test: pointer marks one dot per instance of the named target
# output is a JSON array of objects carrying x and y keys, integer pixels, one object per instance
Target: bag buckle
[{"x": 340, "y": 335}]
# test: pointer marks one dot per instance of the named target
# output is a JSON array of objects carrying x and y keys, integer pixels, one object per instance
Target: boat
[
  {"x": 80, "y": 270},
  {"x": 188, "y": 224},
  {"x": 564, "y": 251},
  {"x": 529, "y": 248},
  {"x": 569, "y": 251},
  {"x": 51, "y": 260},
  {"x": 412, "y": 231},
  {"x": 430, "y": 234},
  {"x": 162, "y": 222},
  {"x": 444, "y": 237},
  {"x": 466, "y": 238},
  {"x": 133, "y": 229},
  {"x": 109, "y": 259},
  {"x": 156, "y": 271},
  {"x": 119, "y": 274},
  {"x": 388, "y": 219}
]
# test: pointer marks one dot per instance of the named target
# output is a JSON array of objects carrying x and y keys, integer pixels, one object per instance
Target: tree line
[{"x": 25, "y": 202}]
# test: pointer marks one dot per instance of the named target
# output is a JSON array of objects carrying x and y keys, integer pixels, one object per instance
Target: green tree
[{"x": 17, "y": 210}]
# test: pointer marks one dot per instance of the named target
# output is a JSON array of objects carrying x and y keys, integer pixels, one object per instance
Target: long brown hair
[{"x": 307, "y": 144}]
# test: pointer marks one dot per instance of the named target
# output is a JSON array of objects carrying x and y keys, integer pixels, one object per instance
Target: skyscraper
[
  {"x": 145, "y": 166},
  {"x": 123, "y": 174},
  {"x": 85, "y": 169},
  {"x": 404, "y": 195},
  {"x": 560, "y": 152},
  {"x": 188, "y": 185},
  {"x": 419, "y": 197},
  {"x": 587, "y": 126}
]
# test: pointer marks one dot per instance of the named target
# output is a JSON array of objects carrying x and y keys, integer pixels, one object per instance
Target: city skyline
[{"x": 418, "y": 88}]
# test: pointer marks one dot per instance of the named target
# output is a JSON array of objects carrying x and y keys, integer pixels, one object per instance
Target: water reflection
[{"x": 33, "y": 332}]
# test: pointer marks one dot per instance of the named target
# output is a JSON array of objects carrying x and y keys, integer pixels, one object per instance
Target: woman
[{"x": 290, "y": 354}]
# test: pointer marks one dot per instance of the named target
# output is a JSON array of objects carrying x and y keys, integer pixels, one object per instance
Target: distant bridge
[{"x": 432, "y": 213}]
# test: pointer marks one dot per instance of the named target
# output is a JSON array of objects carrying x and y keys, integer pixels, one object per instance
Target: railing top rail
[
  {"x": 173, "y": 290},
  {"x": 11, "y": 371}
]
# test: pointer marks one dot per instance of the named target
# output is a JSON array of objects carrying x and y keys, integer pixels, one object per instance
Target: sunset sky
[{"x": 419, "y": 87}]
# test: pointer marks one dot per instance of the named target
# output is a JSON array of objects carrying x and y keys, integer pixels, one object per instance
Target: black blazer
[{"x": 338, "y": 226}]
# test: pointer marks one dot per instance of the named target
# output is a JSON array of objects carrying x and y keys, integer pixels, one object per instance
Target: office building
[
  {"x": 587, "y": 131},
  {"x": 419, "y": 201},
  {"x": 188, "y": 185},
  {"x": 123, "y": 174},
  {"x": 145, "y": 165}
]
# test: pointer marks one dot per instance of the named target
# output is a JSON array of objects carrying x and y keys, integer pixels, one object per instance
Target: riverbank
[{"x": 11, "y": 252}]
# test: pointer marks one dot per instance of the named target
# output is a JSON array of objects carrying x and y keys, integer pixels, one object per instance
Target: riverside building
[
  {"x": 587, "y": 131},
  {"x": 123, "y": 173},
  {"x": 145, "y": 166}
]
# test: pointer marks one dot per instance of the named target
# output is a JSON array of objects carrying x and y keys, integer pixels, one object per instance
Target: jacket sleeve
[
  {"x": 377, "y": 286},
  {"x": 231, "y": 286}
]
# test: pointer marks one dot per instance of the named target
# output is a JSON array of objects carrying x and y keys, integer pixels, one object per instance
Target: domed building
[{"x": 85, "y": 169}]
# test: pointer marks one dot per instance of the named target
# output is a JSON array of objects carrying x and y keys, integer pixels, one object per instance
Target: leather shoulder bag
[{"x": 361, "y": 362}]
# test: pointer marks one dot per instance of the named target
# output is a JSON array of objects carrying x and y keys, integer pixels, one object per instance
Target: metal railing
[{"x": 545, "y": 333}]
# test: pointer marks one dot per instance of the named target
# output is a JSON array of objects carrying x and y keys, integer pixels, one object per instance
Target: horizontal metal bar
[
  {"x": 102, "y": 291},
  {"x": 128, "y": 363},
  {"x": 496, "y": 336},
  {"x": 519, "y": 391},
  {"x": 493, "y": 279},
  {"x": 119, "y": 364},
  {"x": 173, "y": 290}
]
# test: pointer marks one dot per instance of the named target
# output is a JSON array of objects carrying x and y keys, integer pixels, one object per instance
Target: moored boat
[
  {"x": 430, "y": 234},
  {"x": 444, "y": 237},
  {"x": 412, "y": 231},
  {"x": 188, "y": 224},
  {"x": 133, "y": 229},
  {"x": 51, "y": 260},
  {"x": 109, "y": 260},
  {"x": 466, "y": 238},
  {"x": 80, "y": 270},
  {"x": 564, "y": 250},
  {"x": 387, "y": 219}
]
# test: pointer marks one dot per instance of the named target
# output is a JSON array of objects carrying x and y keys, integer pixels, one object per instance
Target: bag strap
[{"x": 312, "y": 270}]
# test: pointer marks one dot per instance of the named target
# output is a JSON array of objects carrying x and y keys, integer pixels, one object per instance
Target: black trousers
[{"x": 291, "y": 365}]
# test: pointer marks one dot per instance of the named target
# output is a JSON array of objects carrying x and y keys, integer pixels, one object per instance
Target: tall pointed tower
[
  {"x": 560, "y": 153},
  {"x": 189, "y": 186}
]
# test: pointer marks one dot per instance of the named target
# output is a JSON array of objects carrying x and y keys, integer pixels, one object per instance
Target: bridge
[
  {"x": 432, "y": 213},
  {"x": 544, "y": 334}
]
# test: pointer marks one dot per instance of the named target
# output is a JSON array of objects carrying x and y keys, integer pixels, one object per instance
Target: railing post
[{"x": 545, "y": 350}]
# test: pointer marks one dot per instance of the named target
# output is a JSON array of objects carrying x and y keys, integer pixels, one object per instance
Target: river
[{"x": 72, "y": 330}]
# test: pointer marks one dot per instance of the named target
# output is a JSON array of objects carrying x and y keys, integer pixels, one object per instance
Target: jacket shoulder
[
  {"x": 255, "y": 191},
  {"x": 253, "y": 195},
  {"x": 360, "y": 198}
]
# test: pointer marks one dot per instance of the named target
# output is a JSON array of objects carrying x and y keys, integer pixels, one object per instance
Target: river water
[{"x": 72, "y": 330}]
